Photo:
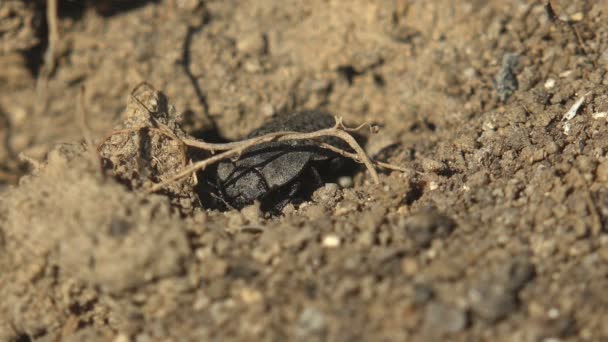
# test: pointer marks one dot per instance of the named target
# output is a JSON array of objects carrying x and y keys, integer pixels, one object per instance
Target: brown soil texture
[{"x": 500, "y": 235}]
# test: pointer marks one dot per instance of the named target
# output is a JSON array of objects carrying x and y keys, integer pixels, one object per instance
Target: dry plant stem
[
  {"x": 137, "y": 129},
  {"x": 355, "y": 157},
  {"x": 237, "y": 148},
  {"x": 8, "y": 177},
  {"x": 49, "y": 57},
  {"x": 53, "y": 27},
  {"x": 81, "y": 118},
  {"x": 253, "y": 141},
  {"x": 200, "y": 165},
  {"x": 277, "y": 136}
]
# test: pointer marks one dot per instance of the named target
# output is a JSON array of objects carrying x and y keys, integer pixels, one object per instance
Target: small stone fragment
[
  {"x": 441, "y": 319},
  {"x": 506, "y": 81},
  {"x": 122, "y": 338},
  {"x": 602, "y": 172},
  {"x": 331, "y": 241},
  {"x": 345, "y": 182},
  {"x": 250, "y": 295},
  {"x": 430, "y": 165},
  {"x": 311, "y": 325},
  {"x": 252, "y": 44},
  {"x": 409, "y": 266},
  {"x": 578, "y": 16},
  {"x": 327, "y": 194},
  {"x": 252, "y": 213},
  {"x": 492, "y": 302}
]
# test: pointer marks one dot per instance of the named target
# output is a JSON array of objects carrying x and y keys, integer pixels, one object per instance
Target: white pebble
[
  {"x": 331, "y": 241},
  {"x": 345, "y": 182},
  {"x": 553, "y": 313},
  {"x": 578, "y": 16},
  {"x": 122, "y": 338}
]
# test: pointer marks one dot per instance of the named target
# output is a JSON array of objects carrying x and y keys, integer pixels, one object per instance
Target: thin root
[
  {"x": 235, "y": 149},
  {"x": 355, "y": 157},
  {"x": 49, "y": 58}
]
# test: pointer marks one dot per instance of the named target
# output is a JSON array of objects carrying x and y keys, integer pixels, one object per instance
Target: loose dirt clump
[
  {"x": 69, "y": 233},
  {"x": 139, "y": 153}
]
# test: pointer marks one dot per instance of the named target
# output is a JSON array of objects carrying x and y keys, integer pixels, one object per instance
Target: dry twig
[
  {"x": 53, "y": 27},
  {"x": 42, "y": 83},
  {"x": 235, "y": 149},
  {"x": 81, "y": 118}
]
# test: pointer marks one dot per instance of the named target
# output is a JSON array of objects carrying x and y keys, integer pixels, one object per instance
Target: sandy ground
[{"x": 499, "y": 234}]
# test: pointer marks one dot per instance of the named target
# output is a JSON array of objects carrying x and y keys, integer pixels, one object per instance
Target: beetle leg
[
  {"x": 293, "y": 189},
  {"x": 277, "y": 200},
  {"x": 316, "y": 177},
  {"x": 264, "y": 181}
]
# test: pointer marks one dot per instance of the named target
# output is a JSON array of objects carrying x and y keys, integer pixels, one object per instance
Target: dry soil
[{"x": 500, "y": 234}]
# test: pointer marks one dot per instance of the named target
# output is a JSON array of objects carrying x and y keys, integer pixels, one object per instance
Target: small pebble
[
  {"x": 122, "y": 338},
  {"x": 470, "y": 73},
  {"x": 252, "y": 213},
  {"x": 326, "y": 194},
  {"x": 550, "y": 83},
  {"x": 603, "y": 253},
  {"x": 492, "y": 302},
  {"x": 188, "y": 5},
  {"x": 441, "y": 319},
  {"x": 315, "y": 212},
  {"x": 267, "y": 110},
  {"x": 200, "y": 303},
  {"x": 250, "y": 296},
  {"x": 409, "y": 266},
  {"x": 578, "y": 16},
  {"x": 602, "y": 172},
  {"x": 311, "y": 325},
  {"x": 345, "y": 182},
  {"x": 430, "y": 165},
  {"x": 506, "y": 80},
  {"x": 331, "y": 241},
  {"x": 253, "y": 44},
  {"x": 553, "y": 313}
]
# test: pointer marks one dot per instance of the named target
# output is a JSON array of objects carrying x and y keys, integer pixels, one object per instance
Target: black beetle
[{"x": 275, "y": 172}]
